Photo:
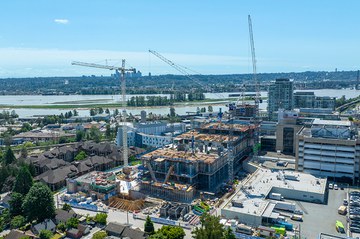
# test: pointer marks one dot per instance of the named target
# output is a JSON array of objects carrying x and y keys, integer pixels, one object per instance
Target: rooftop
[
  {"x": 223, "y": 126},
  {"x": 258, "y": 186},
  {"x": 99, "y": 178},
  {"x": 332, "y": 122},
  {"x": 205, "y": 137},
  {"x": 174, "y": 154}
]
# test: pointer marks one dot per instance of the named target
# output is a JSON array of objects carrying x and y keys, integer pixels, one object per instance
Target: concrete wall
[
  {"x": 249, "y": 167},
  {"x": 248, "y": 219},
  {"x": 293, "y": 194}
]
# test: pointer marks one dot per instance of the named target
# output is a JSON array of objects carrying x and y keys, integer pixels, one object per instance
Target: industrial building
[
  {"x": 198, "y": 160},
  {"x": 280, "y": 97},
  {"x": 251, "y": 206},
  {"x": 329, "y": 148}
]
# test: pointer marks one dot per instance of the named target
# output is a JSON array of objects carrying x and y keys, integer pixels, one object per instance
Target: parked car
[
  {"x": 331, "y": 186},
  {"x": 355, "y": 229},
  {"x": 345, "y": 202},
  {"x": 336, "y": 187}
]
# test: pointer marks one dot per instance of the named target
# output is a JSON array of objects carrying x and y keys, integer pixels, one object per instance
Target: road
[{"x": 123, "y": 217}]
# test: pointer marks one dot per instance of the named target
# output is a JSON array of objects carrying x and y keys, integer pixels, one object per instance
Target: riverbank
[{"x": 76, "y": 105}]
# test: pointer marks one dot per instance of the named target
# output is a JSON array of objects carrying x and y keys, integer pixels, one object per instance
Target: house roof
[
  {"x": 15, "y": 234},
  {"x": 133, "y": 233},
  {"x": 48, "y": 224},
  {"x": 58, "y": 175},
  {"x": 125, "y": 231},
  {"x": 63, "y": 215},
  {"x": 115, "y": 228}
]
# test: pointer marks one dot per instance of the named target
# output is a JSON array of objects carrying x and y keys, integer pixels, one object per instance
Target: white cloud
[{"x": 61, "y": 21}]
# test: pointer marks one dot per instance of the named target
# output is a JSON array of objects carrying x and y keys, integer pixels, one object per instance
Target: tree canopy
[
  {"x": 45, "y": 234},
  {"x": 99, "y": 235},
  {"x": 169, "y": 232},
  {"x": 149, "y": 226},
  {"x": 9, "y": 156},
  {"x": 100, "y": 218},
  {"x": 23, "y": 181},
  {"x": 39, "y": 203},
  {"x": 16, "y": 202},
  {"x": 211, "y": 228}
]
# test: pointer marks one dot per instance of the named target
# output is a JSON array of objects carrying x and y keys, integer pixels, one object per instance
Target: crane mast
[
  {"x": 257, "y": 89},
  {"x": 119, "y": 71}
]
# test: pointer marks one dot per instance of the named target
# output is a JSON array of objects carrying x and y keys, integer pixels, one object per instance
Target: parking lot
[
  {"x": 321, "y": 218},
  {"x": 354, "y": 213}
]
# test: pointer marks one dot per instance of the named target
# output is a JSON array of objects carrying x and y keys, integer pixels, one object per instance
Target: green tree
[
  {"x": 210, "y": 108},
  {"x": 23, "y": 181},
  {"x": 63, "y": 140},
  {"x": 157, "y": 236},
  {"x": 79, "y": 135},
  {"x": 108, "y": 131},
  {"x": 172, "y": 112},
  {"x": 72, "y": 223},
  {"x": 149, "y": 226},
  {"x": 107, "y": 111},
  {"x": 9, "y": 156},
  {"x": 99, "y": 235},
  {"x": 229, "y": 234},
  {"x": 92, "y": 112},
  {"x": 25, "y": 127},
  {"x": 7, "y": 139},
  {"x": 17, "y": 221},
  {"x": 23, "y": 152},
  {"x": 171, "y": 232},
  {"x": 80, "y": 156},
  {"x": 16, "y": 202},
  {"x": 66, "y": 207},
  {"x": 39, "y": 203},
  {"x": 61, "y": 227},
  {"x": 210, "y": 228},
  {"x": 100, "y": 218},
  {"x": 45, "y": 234},
  {"x": 95, "y": 134},
  {"x": 351, "y": 118},
  {"x": 32, "y": 170}
]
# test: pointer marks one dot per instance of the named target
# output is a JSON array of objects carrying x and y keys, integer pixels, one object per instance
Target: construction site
[{"x": 197, "y": 161}]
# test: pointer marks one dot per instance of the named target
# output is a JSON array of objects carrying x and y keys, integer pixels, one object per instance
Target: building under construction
[{"x": 198, "y": 160}]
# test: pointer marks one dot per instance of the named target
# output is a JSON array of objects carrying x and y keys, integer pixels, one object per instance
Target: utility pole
[{"x": 119, "y": 71}]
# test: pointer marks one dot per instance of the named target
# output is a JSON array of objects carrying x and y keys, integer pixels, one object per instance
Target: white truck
[{"x": 285, "y": 206}]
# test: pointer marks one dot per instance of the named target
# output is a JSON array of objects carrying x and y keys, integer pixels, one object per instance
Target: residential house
[
  {"x": 62, "y": 216},
  {"x": 74, "y": 233},
  {"x": 56, "y": 179},
  {"x": 48, "y": 224},
  {"x": 124, "y": 231},
  {"x": 17, "y": 234}
]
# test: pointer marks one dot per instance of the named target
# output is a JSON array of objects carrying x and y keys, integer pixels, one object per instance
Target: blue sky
[{"x": 42, "y": 37}]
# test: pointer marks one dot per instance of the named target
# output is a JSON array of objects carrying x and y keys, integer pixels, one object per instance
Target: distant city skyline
[{"x": 41, "y": 38}]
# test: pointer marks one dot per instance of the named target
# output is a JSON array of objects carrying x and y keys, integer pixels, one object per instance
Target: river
[{"x": 18, "y": 100}]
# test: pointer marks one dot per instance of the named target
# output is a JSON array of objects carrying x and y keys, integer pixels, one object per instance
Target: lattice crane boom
[
  {"x": 122, "y": 70},
  {"x": 257, "y": 88}
]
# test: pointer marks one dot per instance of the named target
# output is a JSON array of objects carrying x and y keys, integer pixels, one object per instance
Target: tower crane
[
  {"x": 180, "y": 69},
  {"x": 257, "y": 88},
  {"x": 120, "y": 71}
]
